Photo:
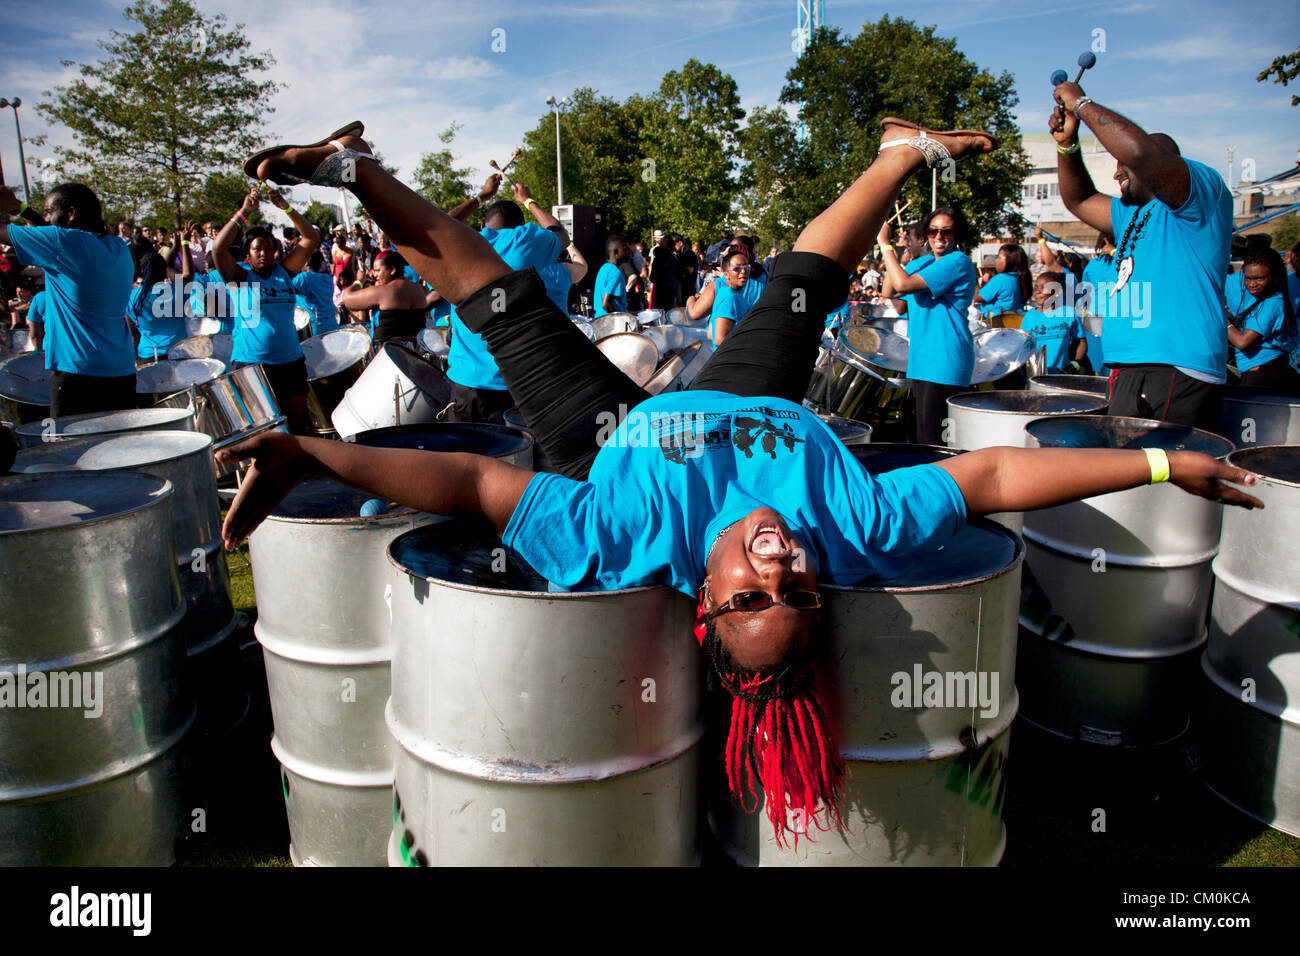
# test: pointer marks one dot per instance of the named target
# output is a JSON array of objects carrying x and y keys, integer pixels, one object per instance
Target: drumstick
[
  {"x": 502, "y": 172},
  {"x": 513, "y": 156}
]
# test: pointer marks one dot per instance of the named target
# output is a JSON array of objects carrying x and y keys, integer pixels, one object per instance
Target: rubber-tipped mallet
[{"x": 1087, "y": 60}]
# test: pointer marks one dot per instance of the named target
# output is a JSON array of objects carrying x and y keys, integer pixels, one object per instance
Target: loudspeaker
[{"x": 586, "y": 227}]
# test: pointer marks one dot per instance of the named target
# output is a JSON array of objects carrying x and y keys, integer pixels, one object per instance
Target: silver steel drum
[
  {"x": 925, "y": 775},
  {"x": 1086, "y": 384},
  {"x": 1252, "y": 660},
  {"x": 651, "y": 317},
  {"x": 993, "y": 419},
  {"x": 231, "y": 408},
  {"x": 670, "y": 339},
  {"x": 199, "y": 325},
  {"x": 105, "y": 423},
  {"x": 880, "y": 457},
  {"x": 679, "y": 316},
  {"x": 1253, "y": 416},
  {"x": 584, "y": 327},
  {"x": 432, "y": 342},
  {"x": 632, "y": 352},
  {"x": 302, "y": 322},
  {"x": 581, "y": 748},
  {"x": 25, "y": 385},
  {"x": 89, "y": 605},
  {"x": 399, "y": 387},
  {"x": 1114, "y": 619},
  {"x": 697, "y": 356},
  {"x": 219, "y": 346},
  {"x": 14, "y": 341},
  {"x": 878, "y": 348},
  {"x": 325, "y": 643},
  {"x": 167, "y": 378},
  {"x": 614, "y": 323},
  {"x": 849, "y": 432},
  {"x": 999, "y": 352},
  {"x": 334, "y": 362},
  {"x": 665, "y": 378},
  {"x": 896, "y": 324},
  {"x": 845, "y": 386}
]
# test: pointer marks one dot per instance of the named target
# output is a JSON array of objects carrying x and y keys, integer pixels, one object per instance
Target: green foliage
[
  {"x": 319, "y": 215},
  {"x": 1287, "y": 232},
  {"x": 438, "y": 178},
  {"x": 216, "y": 200},
  {"x": 842, "y": 87},
  {"x": 170, "y": 104},
  {"x": 1284, "y": 69}
]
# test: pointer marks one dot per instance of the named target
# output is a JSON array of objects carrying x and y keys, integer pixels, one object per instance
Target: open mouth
[{"x": 768, "y": 541}]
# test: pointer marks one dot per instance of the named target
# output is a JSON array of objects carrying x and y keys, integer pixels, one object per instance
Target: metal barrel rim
[
  {"x": 1143, "y": 429},
  {"x": 1286, "y": 714},
  {"x": 330, "y": 776}
]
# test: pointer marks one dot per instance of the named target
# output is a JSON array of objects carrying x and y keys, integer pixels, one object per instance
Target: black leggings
[
  {"x": 72, "y": 394},
  {"x": 567, "y": 390},
  {"x": 1276, "y": 374}
]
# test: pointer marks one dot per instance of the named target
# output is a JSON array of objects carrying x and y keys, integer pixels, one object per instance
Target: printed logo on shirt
[{"x": 682, "y": 436}]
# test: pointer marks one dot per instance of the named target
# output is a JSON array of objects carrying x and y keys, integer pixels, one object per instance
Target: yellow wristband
[
  {"x": 1159, "y": 463},
  {"x": 530, "y": 201},
  {"x": 1042, "y": 242},
  {"x": 885, "y": 245}
]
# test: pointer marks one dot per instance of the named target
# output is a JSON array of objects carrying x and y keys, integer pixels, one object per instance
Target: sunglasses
[
  {"x": 739, "y": 270},
  {"x": 750, "y": 601},
  {"x": 941, "y": 233}
]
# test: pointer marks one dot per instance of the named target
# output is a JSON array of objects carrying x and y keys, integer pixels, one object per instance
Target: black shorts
[
  {"x": 72, "y": 394},
  {"x": 287, "y": 380},
  {"x": 1164, "y": 394}
]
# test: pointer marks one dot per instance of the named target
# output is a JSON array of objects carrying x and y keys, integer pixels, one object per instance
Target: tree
[
  {"x": 766, "y": 203},
  {"x": 438, "y": 179},
  {"x": 1284, "y": 69},
  {"x": 319, "y": 215},
  {"x": 216, "y": 200},
  {"x": 843, "y": 86},
  {"x": 1287, "y": 232},
  {"x": 172, "y": 102}
]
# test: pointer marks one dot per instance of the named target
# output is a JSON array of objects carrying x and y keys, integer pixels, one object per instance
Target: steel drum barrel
[
  {"x": 89, "y": 606},
  {"x": 1088, "y": 384},
  {"x": 97, "y": 424},
  {"x": 1252, "y": 660},
  {"x": 537, "y": 728},
  {"x": 25, "y": 385},
  {"x": 1255, "y": 416},
  {"x": 399, "y": 387},
  {"x": 324, "y": 637},
  {"x": 925, "y": 768},
  {"x": 1118, "y": 587}
]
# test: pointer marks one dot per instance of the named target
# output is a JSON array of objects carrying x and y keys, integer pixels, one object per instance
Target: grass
[{"x": 1158, "y": 812}]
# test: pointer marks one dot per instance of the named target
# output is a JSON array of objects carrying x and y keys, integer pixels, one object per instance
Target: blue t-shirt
[
  {"x": 837, "y": 318},
  {"x": 159, "y": 314},
  {"x": 36, "y": 310},
  {"x": 208, "y": 298},
  {"x": 264, "y": 329},
  {"x": 1293, "y": 291},
  {"x": 410, "y": 275},
  {"x": 1056, "y": 331},
  {"x": 1265, "y": 317},
  {"x": 1170, "y": 312},
  {"x": 1002, "y": 294},
  {"x": 734, "y": 304},
  {"x": 88, "y": 280},
  {"x": 558, "y": 281},
  {"x": 316, "y": 294},
  {"x": 609, "y": 281},
  {"x": 684, "y": 465},
  {"x": 469, "y": 362},
  {"x": 941, "y": 349},
  {"x": 1098, "y": 277}
]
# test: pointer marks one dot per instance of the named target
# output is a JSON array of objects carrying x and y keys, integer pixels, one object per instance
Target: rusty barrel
[
  {"x": 918, "y": 677},
  {"x": 320, "y": 573},
  {"x": 1252, "y": 660},
  {"x": 537, "y": 728},
  {"x": 1117, "y": 592}
]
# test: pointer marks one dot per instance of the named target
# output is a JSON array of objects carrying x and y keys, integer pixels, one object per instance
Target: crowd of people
[{"x": 684, "y": 494}]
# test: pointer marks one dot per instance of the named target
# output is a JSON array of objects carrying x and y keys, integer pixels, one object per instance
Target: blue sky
[{"x": 411, "y": 67}]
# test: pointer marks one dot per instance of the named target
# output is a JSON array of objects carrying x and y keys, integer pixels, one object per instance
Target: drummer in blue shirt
[
  {"x": 157, "y": 307},
  {"x": 36, "y": 320},
  {"x": 1054, "y": 324},
  {"x": 88, "y": 278},
  {"x": 937, "y": 291},
  {"x": 1262, "y": 322},
  {"x": 609, "y": 293},
  {"x": 262, "y": 289},
  {"x": 315, "y": 291},
  {"x": 1010, "y": 288},
  {"x": 730, "y": 492}
]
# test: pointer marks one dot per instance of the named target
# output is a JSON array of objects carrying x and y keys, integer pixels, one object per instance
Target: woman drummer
[
  {"x": 937, "y": 291},
  {"x": 398, "y": 303},
  {"x": 730, "y": 491},
  {"x": 1010, "y": 287},
  {"x": 1262, "y": 322}
]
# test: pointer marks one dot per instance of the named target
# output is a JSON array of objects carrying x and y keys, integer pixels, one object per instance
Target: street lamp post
[
  {"x": 22, "y": 160},
  {"x": 555, "y": 105}
]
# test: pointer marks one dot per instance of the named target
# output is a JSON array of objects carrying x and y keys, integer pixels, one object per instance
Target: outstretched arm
[
  {"x": 445, "y": 483},
  {"x": 221, "y": 257},
  {"x": 489, "y": 190},
  {"x": 1024, "y": 479},
  {"x": 896, "y": 280},
  {"x": 1077, "y": 190},
  {"x": 297, "y": 259}
]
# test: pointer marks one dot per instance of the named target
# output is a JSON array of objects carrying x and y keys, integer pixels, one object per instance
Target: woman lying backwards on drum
[{"x": 730, "y": 491}]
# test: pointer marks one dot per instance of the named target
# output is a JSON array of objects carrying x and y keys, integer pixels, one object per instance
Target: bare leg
[
  {"x": 451, "y": 256},
  {"x": 848, "y": 228}
]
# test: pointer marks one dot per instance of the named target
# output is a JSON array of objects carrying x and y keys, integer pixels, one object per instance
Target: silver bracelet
[{"x": 1079, "y": 104}]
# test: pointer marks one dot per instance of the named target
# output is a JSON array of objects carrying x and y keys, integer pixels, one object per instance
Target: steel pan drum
[
  {"x": 167, "y": 378},
  {"x": 991, "y": 419},
  {"x": 231, "y": 408},
  {"x": 632, "y": 352},
  {"x": 697, "y": 356},
  {"x": 999, "y": 352},
  {"x": 880, "y": 457},
  {"x": 220, "y": 346},
  {"x": 1253, "y": 416},
  {"x": 399, "y": 387},
  {"x": 584, "y": 327},
  {"x": 896, "y": 324},
  {"x": 845, "y": 386},
  {"x": 1110, "y": 658},
  {"x": 849, "y": 432},
  {"x": 15, "y": 341},
  {"x": 614, "y": 323},
  {"x": 25, "y": 385},
  {"x": 334, "y": 361},
  {"x": 651, "y": 317},
  {"x": 105, "y": 423},
  {"x": 876, "y": 347},
  {"x": 1085, "y": 384},
  {"x": 665, "y": 377},
  {"x": 1007, "y": 320},
  {"x": 1252, "y": 661},
  {"x": 679, "y": 316},
  {"x": 669, "y": 339}
]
